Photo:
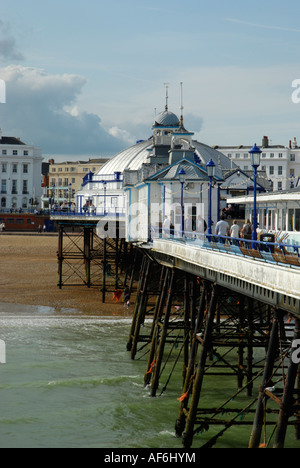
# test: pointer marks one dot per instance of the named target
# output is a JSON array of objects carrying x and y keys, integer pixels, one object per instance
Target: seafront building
[
  {"x": 281, "y": 164},
  {"x": 20, "y": 174},
  {"x": 66, "y": 178}
]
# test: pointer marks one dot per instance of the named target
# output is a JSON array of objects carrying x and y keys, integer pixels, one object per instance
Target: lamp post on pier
[
  {"x": 255, "y": 153},
  {"x": 182, "y": 178},
  {"x": 211, "y": 173}
]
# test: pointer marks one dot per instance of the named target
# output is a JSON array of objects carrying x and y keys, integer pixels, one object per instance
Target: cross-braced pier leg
[
  {"x": 161, "y": 347},
  {"x": 287, "y": 405},
  {"x": 272, "y": 355},
  {"x": 180, "y": 423},
  {"x": 206, "y": 346}
]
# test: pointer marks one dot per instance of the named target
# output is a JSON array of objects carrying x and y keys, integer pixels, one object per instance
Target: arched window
[{"x": 24, "y": 203}]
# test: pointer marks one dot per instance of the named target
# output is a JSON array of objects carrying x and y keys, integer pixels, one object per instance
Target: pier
[{"x": 211, "y": 308}]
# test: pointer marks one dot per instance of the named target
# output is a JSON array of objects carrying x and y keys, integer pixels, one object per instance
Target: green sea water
[{"x": 70, "y": 383}]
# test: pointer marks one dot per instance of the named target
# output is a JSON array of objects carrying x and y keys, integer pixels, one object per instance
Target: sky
[{"x": 87, "y": 78}]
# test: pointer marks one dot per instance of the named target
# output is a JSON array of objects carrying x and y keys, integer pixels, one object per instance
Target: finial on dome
[
  {"x": 167, "y": 95},
  {"x": 181, "y": 103}
]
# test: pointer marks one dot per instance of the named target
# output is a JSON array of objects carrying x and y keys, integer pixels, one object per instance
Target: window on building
[
  {"x": 25, "y": 168},
  {"x": 279, "y": 185},
  {"x": 280, "y": 170},
  {"x": 4, "y": 152},
  {"x": 25, "y": 187},
  {"x": 14, "y": 187},
  {"x": 4, "y": 167},
  {"x": 25, "y": 153},
  {"x": 272, "y": 155},
  {"x": 15, "y": 152},
  {"x": 3, "y": 202},
  {"x": 237, "y": 155},
  {"x": 15, "y": 168},
  {"x": 3, "y": 186},
  {"x": 24, "y": 203},
  {"x": 280, "y": 155},
  {"x": 271, "y": 168},
  {"x": 264, "y": 155},
  {"x": 292, "y": 157}
]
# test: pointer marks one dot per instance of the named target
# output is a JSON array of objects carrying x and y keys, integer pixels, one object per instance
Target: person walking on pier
[
  {"x": 247, "y": 232},
  {"x": 235, "y": 232},
  {"x": 222, "y": 229}
]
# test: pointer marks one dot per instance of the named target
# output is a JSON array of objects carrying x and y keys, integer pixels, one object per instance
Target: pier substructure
[
  {"x": 84, "y": 259},
  {"x": 215, "y": 333}
]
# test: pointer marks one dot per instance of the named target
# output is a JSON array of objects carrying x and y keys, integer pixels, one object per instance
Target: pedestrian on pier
[
  {"x": 247, "y": 232},
  {"x": 222, "y": 229},
  {"x": 235, "y": 232}
]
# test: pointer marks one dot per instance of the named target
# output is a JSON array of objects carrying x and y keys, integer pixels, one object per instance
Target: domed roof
[
  {"x": 166, "y": 119},
  {"x": 134, "y": 157}
]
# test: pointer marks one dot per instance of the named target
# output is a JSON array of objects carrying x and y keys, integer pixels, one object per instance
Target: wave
[{"x": 92, "y": 381}]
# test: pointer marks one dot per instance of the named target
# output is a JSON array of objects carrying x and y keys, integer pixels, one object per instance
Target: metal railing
[
  {"x": 87, "y": 212},
  {"x": 278, "y": 253}
]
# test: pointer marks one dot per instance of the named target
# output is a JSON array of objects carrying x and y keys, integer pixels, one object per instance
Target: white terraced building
[{"x": 20, "y": 174}]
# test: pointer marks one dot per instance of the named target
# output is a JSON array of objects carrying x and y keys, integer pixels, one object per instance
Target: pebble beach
[{"x": 28, "y": 276}]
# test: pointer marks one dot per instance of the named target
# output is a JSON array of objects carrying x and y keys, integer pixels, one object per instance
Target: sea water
[{"x": 69, "y": 382}]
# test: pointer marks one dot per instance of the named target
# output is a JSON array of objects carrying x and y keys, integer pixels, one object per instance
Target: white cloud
[
  {"x": 124, "y": 135},
  {"x": 42, "y": 109}
]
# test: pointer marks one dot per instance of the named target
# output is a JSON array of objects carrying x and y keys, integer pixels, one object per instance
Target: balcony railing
[{"x": 279, "y": 253}]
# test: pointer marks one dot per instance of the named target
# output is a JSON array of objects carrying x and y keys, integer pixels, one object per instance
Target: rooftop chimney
[
  {"x": 295, "y": 144},
  {"x": 265, "y": 142}
]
